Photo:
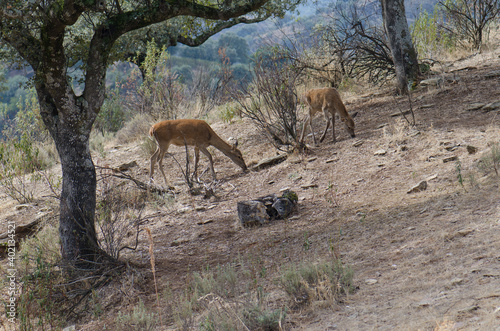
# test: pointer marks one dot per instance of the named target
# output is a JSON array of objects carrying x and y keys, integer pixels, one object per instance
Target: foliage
[
  {"x": 39, "y": 304},
  {"x": 113, "y": 114},
  {"x": 139, "y": 319},
  {"x": 491, "y": 161},
  {"x": 271, "y": 101},
  {"x": 471, "y": 19},
  {"x": 356, "y": 45},
  {"x": 429, "y": 37},
  {"x": 323, "y": 281},
  {"x": 21, "y": 159}
]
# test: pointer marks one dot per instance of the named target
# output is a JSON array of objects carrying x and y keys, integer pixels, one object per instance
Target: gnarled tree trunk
[{"x": 403, "y": 53}]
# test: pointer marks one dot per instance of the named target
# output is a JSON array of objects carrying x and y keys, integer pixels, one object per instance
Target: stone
[
  {"x": 358, "y": 143},
  {"x": 475, "y": 106},
  {"x": 471, "y": 149},
  {"x": 270, "y": 161},
  {"x": 127, "y": 166},
  {"x": 438, "y": 81},
  {"x": 261, "y": 210},
  {"x": 371, "y": 281},
  {"x": 491, "y": 106},
  {"x": 492, "y": 74},
  {"x": 252, "y": 213},
  {"x": 450, "y": 159},
  {"x": 422, "y": 186},
  {"x": 283, "y": 206},
  {"x": 380, "y": 152}
]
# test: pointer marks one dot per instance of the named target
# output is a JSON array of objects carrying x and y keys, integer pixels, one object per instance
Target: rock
[
  {"x": 491, "y": 106},
  {"x": 380, "y": 152},
  {"x": 371, "y": 281},
  {"x": 203, "y": 222},
  {"x": 493, "y": 74},
  {"x": 184, "y": 210},
  {"x": 283, "y": 206},
  {"x": 252, "y": 213},
  {"x": 358, "y": 143},
  {"x": 127, "y": 166},
  {"x": 312, "y": 185},
  {"x": 23, "y": 206},
  {"x": 422, "y": 186},
  {"x": 471, "y": 149},
  {"x": 400, "y": 113},
  {"x": 450, "y": 159},
  {"x": 475, "y": 106},
  {"x": 437, "y": 81},
  {"x": 264, "y": 209},
  {"x": 270, "y": 161}
]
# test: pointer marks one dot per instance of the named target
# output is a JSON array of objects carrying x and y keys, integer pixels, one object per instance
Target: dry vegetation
[{"x": 428, "y": 260}]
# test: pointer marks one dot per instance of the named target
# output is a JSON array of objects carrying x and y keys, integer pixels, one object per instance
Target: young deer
[
  {"x": 190, "y": 132},
  {"x": 328, "y": 100}
]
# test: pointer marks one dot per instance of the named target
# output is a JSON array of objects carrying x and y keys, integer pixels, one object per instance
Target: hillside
[{"x": 428, "y": 260}]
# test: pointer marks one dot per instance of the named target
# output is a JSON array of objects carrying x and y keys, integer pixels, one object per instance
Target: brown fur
[
  {"x": 327, "y": 100},
  {"x": 190, "y": 132}
]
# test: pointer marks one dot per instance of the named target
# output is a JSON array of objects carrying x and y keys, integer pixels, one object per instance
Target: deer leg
[
  {"x": 160, "y": 165},
  {"x": 304, "y": 129},
  {"x": 196, "y": 159},
  {"x": 154, "y": 159},
  {"x": 333, "y": 128},
  {"x": 207, "y": 153},
  {"x": 327, "y": 118}
]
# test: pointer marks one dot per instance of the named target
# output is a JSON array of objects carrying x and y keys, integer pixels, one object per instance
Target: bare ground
[{"x": 422, "y": 261}]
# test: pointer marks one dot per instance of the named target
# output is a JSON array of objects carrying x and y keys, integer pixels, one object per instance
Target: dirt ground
[{"x": 428, "y": 260}]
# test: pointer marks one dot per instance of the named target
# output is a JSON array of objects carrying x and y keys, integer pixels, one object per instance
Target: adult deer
[
  {"x": 190, "y": 132},
  {"x": 328, "y": 100}
]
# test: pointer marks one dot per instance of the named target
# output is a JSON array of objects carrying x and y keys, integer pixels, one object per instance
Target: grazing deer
[
  {"x": 190, "y": 132},
  {"x": 328, "y": 100}
]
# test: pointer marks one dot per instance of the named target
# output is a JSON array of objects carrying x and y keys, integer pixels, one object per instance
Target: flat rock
[
  {"x": 422, "y": 186},
  {"x": 491, "y": 106},
  {"x": 358, "y": 143},
  {"x": 437, "y": 81},
  {"x": 475, "y": 106},
  {"x": 380, "y": 152},
  {"x": 270, "y": 161},
  {"x": 450, "y": 159}
]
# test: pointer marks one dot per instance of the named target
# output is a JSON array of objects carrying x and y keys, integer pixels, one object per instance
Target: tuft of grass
[
  {"x": 134, "y": 129},
  {"x": 321, "y": 281},
  {"x": 491, "y": 161},
  {"x": 138, "y": 319}
]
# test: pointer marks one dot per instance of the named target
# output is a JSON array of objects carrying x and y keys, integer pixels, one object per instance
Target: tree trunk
[
  {"x": 403, "y": 53},
  {"x": 78, "y": 198},
  {"x": 70, "y": 128}
]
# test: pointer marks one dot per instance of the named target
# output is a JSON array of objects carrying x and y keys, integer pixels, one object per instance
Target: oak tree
[{"x": 52, "y": 36}]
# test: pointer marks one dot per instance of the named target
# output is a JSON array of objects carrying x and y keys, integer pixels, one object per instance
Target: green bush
[{"x": 428, "y": 37}]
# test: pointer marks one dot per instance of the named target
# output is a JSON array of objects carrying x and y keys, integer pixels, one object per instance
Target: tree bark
[{"x": 403, "y": 53}]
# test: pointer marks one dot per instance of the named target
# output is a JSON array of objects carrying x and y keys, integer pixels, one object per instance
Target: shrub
[{"x": 322, "y": 281}]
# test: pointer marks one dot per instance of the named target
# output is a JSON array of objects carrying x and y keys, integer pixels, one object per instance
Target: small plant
[
  {"x": 323, "y": 281},
  {"x": 307, "y": 243},
  {"x": 255, "y": 318},
  {"x": 458, "y": 168},
  {"x": 40, "y": 301},
  {"x": 491, "y": 161},
  {"x": 139, "y": 319}
]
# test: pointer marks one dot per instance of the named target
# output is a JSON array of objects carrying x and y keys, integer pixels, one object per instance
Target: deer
[
  {"x": 328, "y": 100},
  {"x": 191, "y": 132}
]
